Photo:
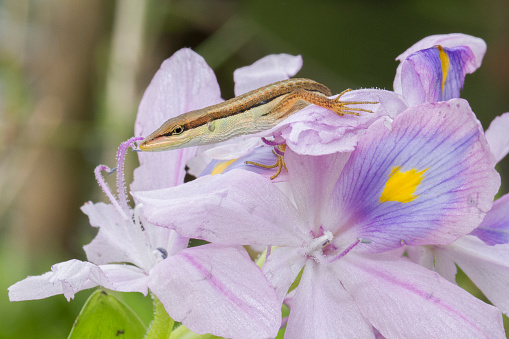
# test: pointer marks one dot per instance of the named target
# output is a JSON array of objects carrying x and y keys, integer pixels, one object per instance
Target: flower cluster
[{"x": 360, "y": 234}]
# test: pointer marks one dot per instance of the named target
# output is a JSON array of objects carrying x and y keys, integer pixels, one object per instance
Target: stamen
[
  {"x": 320, "y": 242},
  {"x": 122, "y": 192},
  {"x": 106, "y": 189},
  {"x": 349, "y": 248},
  {"x": 164, "y": 252}
]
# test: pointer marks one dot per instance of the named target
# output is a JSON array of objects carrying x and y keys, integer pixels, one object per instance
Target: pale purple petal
[
  {"x": 497, "y": 136},
  {"x": 443, "y": 139},
  {"x": 218, "y": 290},
  {"x": 446, "y": 268},
  {"x": 422, "y": 255},
  {"x": 318, "y": 131},
  {"x": 126, "y": 278},
  {"x": 401, "y": 298},
  {"x": 435, "y": 74},
  {"x": 234, "y": 148},
  {"x": 312, "y": 179},
  {"x": 494, "y": 229},
  {"x": 322, "y": 308},
  {"x": 487, "y": 266},
  {"x": 272, "y": 68},
  {"x": 167, "y": 241},
  {"x": 477, "y": 45},
  {"x": 66, "y": 278},
  {"x": 183, "y": 83},
  {"x": 238, "y": 207},
  {"x": 118, "y": 240},
  {"x": 429, "y": 257},
  {"x": 282, "y": 267}
]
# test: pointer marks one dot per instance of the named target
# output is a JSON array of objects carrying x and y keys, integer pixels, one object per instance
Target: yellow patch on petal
[
  {"x": 444, "y": 60},
  {"x": 222, "y": 166},
  {"x": 401, "y": 185}
]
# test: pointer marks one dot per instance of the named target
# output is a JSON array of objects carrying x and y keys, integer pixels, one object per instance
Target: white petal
[
  {"x": 66, "y": 278},
  {"x": 497, "y": 136},
  {"x": 487, "y": 266}
]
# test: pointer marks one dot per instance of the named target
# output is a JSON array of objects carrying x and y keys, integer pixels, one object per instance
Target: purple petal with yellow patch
[
  {"x": 436, "y": 74},
  {"x": 429, "y": 180},
  {"x": 477, "y": 45},
  {"x": 495, "y": 226}
]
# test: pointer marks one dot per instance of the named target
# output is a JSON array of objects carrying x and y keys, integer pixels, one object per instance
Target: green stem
[
  {"x": 162, "y": 325},
  {"x": 261, "y": 259},
  {"x": 183, "y": 332}
]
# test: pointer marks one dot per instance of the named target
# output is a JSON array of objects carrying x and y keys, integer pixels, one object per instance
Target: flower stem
[
  {"x": 183, "y": 332},
  {"x": 162, "y": 325}
]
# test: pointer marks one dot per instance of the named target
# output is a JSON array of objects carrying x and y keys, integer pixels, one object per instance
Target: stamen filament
[
  {"x": 348, "y": 249},
  {"x": 318, "y": 243},
  {"x": 269, "y": 250},
  {"x": 121, "y": 190},
  {"x": 106, "y": 189}
]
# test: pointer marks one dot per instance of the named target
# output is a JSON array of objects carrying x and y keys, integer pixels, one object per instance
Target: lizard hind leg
[{"x": 297, "y": 99}]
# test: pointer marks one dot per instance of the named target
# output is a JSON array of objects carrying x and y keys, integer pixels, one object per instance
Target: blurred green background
[{"x": 72, "y": 74}]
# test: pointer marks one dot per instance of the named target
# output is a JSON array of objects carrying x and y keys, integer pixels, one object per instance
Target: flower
[
  {"x": 195, "y": 285},
  {"x": 124, "y": 237},
  {"x": 348, "y": 215}
]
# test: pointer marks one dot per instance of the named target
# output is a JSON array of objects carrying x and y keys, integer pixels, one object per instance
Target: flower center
[{"x": 315, "y": 247}]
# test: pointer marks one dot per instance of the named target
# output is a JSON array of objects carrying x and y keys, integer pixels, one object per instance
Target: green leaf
[{"x": 104, "y": 316}]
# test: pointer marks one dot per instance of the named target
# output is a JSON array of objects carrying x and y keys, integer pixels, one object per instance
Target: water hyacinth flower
[
  {"x": 184, "y": 279},
  {"x": 121, "y": 239},
  {"x": 427, "y": 180}
]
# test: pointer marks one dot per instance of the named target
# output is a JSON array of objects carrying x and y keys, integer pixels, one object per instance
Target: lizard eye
[{"x": 177, "y": 130}]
